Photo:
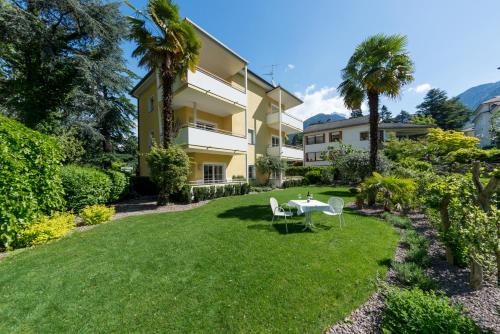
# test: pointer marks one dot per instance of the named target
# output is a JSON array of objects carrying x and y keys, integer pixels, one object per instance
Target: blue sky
[{"x": 453, "y": 43}]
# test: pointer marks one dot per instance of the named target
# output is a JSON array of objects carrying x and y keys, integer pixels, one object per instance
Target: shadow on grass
[
  {"x": 337, "y": 193},
  {"x": 248, "y": 212},
  {"x": 385, "y": 262},
  {"x": 294, "y": 226}
]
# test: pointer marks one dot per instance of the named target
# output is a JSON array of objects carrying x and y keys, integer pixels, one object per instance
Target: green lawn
[{"x": 217, "y": 268}]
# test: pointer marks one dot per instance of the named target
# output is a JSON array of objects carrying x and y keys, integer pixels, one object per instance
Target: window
[
  {"x": 315, "y": 139},
  {"x": 251, "y": 171},
  {"x": 364, "y": 135},
  {"x": 251, "y": 136},
  {"x": 313, "y": 156},
  {"x": 335, "y": 136},
  {"x": 151, "y": 104},
  {"x": 275, "y": 174},
  {"x": 205, "y": 125},
  {"x": 275, "y": 141},
  {"x": 213, "y": 173}
]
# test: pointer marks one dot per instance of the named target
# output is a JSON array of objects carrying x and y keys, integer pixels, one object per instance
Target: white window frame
[
  {"x": 223, "y": 165},
  {"x": 251, "y": 136},
  {"x": 272, "y": 141}
]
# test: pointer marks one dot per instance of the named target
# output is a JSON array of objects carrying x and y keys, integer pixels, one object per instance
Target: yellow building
[{"x": 225, "y": 117}]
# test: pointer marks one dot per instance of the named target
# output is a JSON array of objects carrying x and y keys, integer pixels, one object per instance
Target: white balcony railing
[
  {"x": 212, "y": 84},
  {"x": 211, "y": 139},
  {"x": 286, "y": 120},
  {"x": 287, "y": 152}
]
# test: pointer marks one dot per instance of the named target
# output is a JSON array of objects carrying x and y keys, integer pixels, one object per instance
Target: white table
[{"x": 307, "y": 207}]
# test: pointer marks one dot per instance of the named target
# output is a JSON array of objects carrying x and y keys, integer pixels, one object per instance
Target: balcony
[
  {"x": 288, "y": 152},
  {"x": 214, "y": 141},
  {"x": 289, "y": 123},
  {"x": 211, "y": 93}
]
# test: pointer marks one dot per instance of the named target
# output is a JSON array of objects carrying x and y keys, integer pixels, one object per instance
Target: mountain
[
  {"x": 474, "y": 96},
  {"x": 323, "y": 118}
]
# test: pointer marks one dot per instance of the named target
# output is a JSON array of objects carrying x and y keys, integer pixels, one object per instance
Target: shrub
[
  {"x": 467, "y": 155},
  {"x": 397, "y": 221},
  {"x": 302, "y": 170},
  {"x": 355, "y": 166},
  {"x": 313, "y": 177},
  {"x": 84, "y": 186},
  {"x": 202, "y": 193},
  {"x": 410, "y": 274},
  {"x": 392, "y": 191},
  {"x": 119, "y": 185},
  {"x": 295, "y": 182},
  {"x": 46, "y": 229},
  {"x": 267, "y": 164},
  {"x": 415, "y": 164},
  {"x": 417, "y": 252},
  {"x": 415, "y": 311},
  {"x": 30, "y": 177},
  {"x": 169, "y": 170},
  {"x": 97, "y": 214},
  {"x": 183, "y": 196}
]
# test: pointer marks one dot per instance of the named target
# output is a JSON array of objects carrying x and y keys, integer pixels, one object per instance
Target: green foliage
[
  {"x": 120, "y": 185},
  {"x": 267, "y": 164},
  {"x": 415, "y": 164},
  {"x": 397, "y": 150},
  {"x": 412, "y": 275},
  {"x": 294, "y": 182},
  {"x": 203, "y": 193},
  {"x": 418, "y": 249},
  {"x": 397, "y": 221},
  {"x": 46, "y": 228},
  {"x": 170, "y": 168},
  {"x": 84, "y": 186},
  {"x": 97, "y": 214},
  {"x": 449, "y": 114},
  {"x": 302, "y": 170},
  {"x": 394, "y": 192},
  {"x": 442, "y": 142},
  {"x": 183, "y": 196},
  {"x": 30, "y": 177},
  {"x": 423, "y": 119},
  {"x": 313, "y": 177},
  {"x": 72, "y": 147},
  {"x": 414, "y": 311}
]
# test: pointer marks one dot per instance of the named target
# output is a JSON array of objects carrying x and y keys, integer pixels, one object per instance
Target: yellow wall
[
  {"x": 148, "y": 121},
  {"x": 235, "y": 165}
]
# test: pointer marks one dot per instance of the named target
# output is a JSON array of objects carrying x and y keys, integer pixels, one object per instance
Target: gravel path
[{"x": 482, "y": 305}]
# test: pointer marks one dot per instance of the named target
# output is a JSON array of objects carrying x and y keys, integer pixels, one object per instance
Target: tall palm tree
[
  {"x": 167, "y": 43},
  {"x": 380, "y": 65}
]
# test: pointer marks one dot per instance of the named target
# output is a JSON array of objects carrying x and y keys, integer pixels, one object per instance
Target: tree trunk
[
  {"x": 107, "y": 144},
  {"x": 373, "y": 102},
  {"x": 167, "y": 78},
  {"x": 476, "y": 275}
]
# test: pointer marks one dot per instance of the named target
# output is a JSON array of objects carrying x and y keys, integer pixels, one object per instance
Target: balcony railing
[
  {"x": 286, "y": 120},
  {"x": 211, "y": 138},
  {"x": 287, "y": 152},
  {"x": 212, "y": 84}
]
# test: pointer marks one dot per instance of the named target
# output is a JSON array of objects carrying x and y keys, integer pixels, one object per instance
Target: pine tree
[
  {"x": 385, "y": 114},
  {"x": 355, "y": 113},
  {"x": 403, "y": 117}
]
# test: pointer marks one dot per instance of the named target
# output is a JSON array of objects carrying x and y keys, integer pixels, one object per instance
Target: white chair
[
  {"x": 336, "y": 208},
  {"x": 278, "y": 211}
]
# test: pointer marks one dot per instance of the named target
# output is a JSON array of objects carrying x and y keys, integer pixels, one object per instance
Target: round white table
[{"x": 306, "y": 207}]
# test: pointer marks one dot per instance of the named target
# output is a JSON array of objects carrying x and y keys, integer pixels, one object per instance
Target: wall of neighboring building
[
  {"x": 482, "y": 127},
  {"x": 148, "y": 124}
]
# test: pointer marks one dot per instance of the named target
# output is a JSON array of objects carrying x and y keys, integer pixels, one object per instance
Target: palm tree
[
  {"x": 380, "y": 65},
  {"x": 167, "y": 43}
]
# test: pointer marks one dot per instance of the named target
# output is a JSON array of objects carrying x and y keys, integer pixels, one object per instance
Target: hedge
[
  {"x": 302, "y": 170},
  {"x": 30, "y": 177},
  {"x": 202, "y": 193},
  {"x": 84, "y": 186},
  {"x": 119, "y": 185}
]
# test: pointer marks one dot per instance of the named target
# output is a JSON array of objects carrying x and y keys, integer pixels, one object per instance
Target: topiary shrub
[
  {"x": 84, "y": 186},
  {"x": 96, "y": 214},
  {"x": 414, "y": 311},
  {"x": 119, "y": 185},
  {"x": 45, "y": 229},
  {"x": 30, "y": 177}
]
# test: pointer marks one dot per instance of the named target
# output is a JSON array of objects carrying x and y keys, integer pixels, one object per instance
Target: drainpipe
[
  {"x": 281, "y": 137},
  {"x": 246, "y": 121}
]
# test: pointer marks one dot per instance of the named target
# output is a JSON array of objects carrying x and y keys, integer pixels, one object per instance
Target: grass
[{"x": 217, "y": 268}]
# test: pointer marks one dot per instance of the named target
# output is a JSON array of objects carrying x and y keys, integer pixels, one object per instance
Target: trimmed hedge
[
  {"x": 30, "y": 177},
  {"x": 295, "y": 182},
  {"x": 119, "y": 185},
  {"x": 302, "y": 170},
  {"x": 203, "y": 193},
  {"x": 85, "y": 186}
]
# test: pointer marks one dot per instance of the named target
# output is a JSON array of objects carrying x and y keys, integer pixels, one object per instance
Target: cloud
[
  {"x": 289, "y": 67},
  {"x": 323, "y": 100},
  {"x": 423, "y": 88}
]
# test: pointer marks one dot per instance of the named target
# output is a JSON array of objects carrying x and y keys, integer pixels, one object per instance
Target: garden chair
[
  {"x": 279, "y": 211},
  {"x": 336, "y": 205}
]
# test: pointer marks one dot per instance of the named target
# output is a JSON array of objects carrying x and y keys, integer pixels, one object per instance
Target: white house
[
  {"x": 483, "y": 120},
  {"x": 355, "y": 132}
]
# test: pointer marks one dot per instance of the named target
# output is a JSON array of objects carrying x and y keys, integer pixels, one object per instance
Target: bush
[
  {"x": 30, "y": 177},
  {"x": 410, "y": 274},
  {"x": 295, "y": 182},
  {"x": 84, "y": 186},
  {"x": 169, "y": 170},
  {"x": 46, "y": 229},
  {"x": 392, "y": 191},
  {"x": 418, "y": 246},
  {"x": 302, "y": 170},
  {"x": 467, "y": 155},
  {"x": 355, "y": 166},
  {"x": 183, "y": 196},
  {"x": 203, "y": 193},
  {"x": 397, "y": 221},
  {"x": 414, "y": 311},
  {"x": 415, "y": 164},
  {"x": 119, "y": 185},
  {"x": 313, "y": 177},
  {"x": 97, "y": 214}
]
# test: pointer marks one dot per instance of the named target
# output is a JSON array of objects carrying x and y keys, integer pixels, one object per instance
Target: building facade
[
  {"x": 485, "y": 124},
  {"x": 225, "y": 117},
  {"x": 355, "y": 132}
]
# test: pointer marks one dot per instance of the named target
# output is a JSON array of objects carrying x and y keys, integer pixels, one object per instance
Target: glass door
[{"x": 213, "y": 173}]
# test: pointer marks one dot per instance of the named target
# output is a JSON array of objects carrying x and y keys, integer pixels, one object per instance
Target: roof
[
  {"x": 492, "y": 100},
  {"x": 346, "y": 123},
  {"x": 137, "y": 85}
]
